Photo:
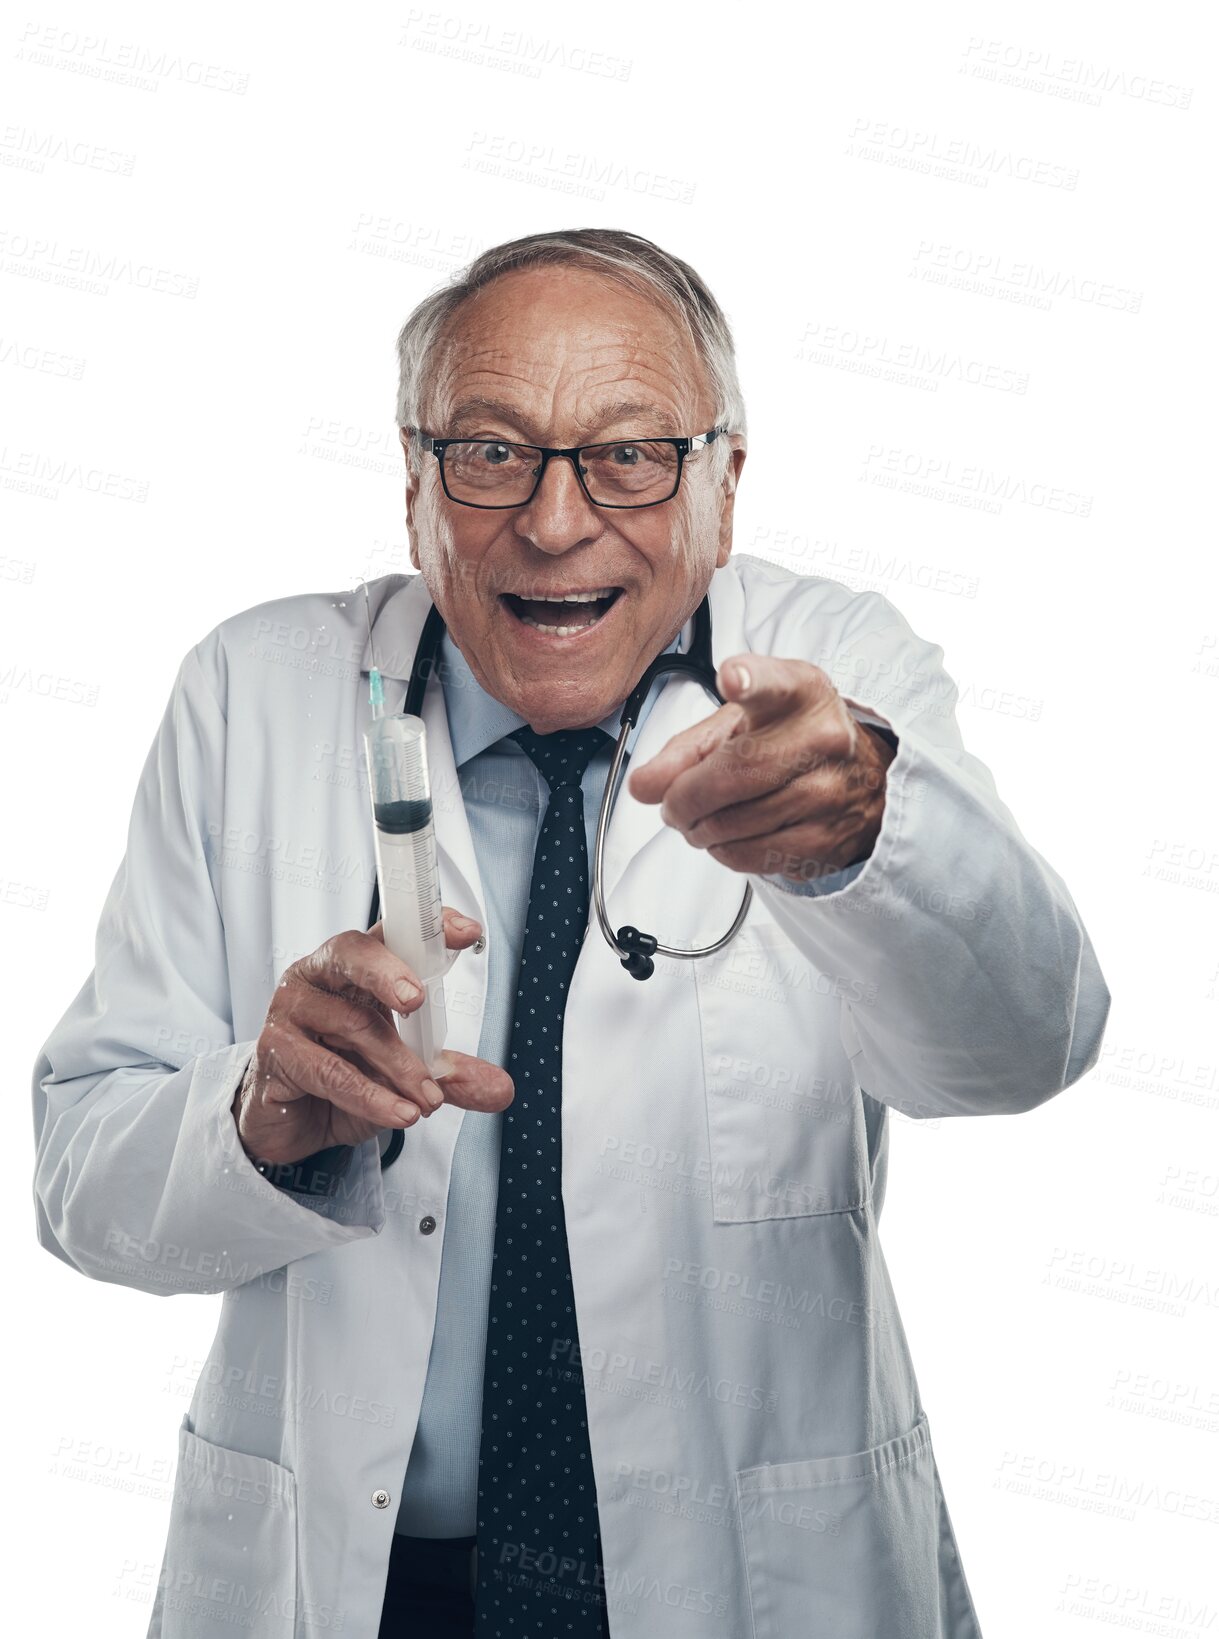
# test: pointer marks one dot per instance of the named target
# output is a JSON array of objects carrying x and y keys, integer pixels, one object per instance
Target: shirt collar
[{"x": 477, "y": 719}]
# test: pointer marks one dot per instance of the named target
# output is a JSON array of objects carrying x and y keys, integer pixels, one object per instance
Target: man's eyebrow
[
  {"x": 657, "y": 419},
  {"x": 630, "y": 409}
]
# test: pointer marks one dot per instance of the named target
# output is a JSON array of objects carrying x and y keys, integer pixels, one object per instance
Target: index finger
[
  {"x": 361, "y": 961},
  {"x": 756, "y": 689},
  {"x": 650, "y": 781},
  {"x": 768, "y": 686}
]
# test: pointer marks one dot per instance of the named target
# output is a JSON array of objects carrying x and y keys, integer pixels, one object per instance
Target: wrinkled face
[{"x": 560, "y": 357}]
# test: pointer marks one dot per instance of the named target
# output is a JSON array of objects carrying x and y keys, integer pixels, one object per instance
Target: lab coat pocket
[
  {"x": 847, "y": 1547},
  {"x": 230, "y": 1558},
  {"x": 786, "y": 1129}
]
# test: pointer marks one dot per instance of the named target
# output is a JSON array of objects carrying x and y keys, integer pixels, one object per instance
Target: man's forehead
[
  {"x": 574, "y": 296},
  {"x": 593, "y": 412},
  {"x": 654, "y": 388},
  {"x": 536, "y": 342},
  {"x": 536, "y": 314},
  {"x": 613, "y": 357}
]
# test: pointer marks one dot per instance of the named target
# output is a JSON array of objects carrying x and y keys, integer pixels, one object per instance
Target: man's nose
[{"x": 560, "y": 515}]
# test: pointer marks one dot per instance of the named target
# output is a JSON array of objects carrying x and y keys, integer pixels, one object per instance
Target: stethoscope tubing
[{"x": 634, "y": 949}]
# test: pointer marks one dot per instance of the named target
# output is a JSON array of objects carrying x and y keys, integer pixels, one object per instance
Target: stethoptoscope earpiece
[{"x": 641, "y": 947}]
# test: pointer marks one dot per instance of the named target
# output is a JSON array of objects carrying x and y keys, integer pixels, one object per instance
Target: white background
[{"x": 964, "y": 254}]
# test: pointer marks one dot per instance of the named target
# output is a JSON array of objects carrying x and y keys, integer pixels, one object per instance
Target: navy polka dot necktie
[{"x": 539, "y": 1547}]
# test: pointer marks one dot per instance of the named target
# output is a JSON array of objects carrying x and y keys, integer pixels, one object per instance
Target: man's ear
[
  {"x": 412, "y": 494},
  {"x": 728, "y": 486}
]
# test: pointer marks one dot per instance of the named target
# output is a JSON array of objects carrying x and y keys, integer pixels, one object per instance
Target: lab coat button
[
  {"x": 479, "y": 945},
  {"x": 427, "y": 1225},
  {"x": 380, "y": 1499}
]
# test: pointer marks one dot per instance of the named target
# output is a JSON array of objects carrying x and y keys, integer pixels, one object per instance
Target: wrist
[
  {"x": 238, "y": 1104},
  {"x": 881, "y": 747},
  {"x": 319, "y": 1174}
]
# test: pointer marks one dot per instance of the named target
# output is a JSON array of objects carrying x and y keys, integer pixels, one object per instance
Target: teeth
[
  {"x": 571, "y": 597},
  {"x": 562, "y": 630},
  {"x": 568, "y": 597}
]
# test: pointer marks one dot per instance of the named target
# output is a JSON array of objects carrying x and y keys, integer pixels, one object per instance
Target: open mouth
[{"x": 562, "y": 616}]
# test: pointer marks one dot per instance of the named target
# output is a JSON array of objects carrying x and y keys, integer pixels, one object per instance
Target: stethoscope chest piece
[{"x": 640, "y": 949}]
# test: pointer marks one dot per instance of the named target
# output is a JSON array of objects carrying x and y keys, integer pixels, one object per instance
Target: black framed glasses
[{"x": 494, "y": 473}]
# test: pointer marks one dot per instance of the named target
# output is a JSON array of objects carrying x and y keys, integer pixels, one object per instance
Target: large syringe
[{"x": 408, "y": 875}]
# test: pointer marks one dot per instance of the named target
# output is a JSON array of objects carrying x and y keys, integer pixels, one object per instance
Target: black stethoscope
[{"x": 635, "y": 950}]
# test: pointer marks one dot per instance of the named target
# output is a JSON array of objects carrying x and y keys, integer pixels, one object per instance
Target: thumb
[
  {"x": 761, "y": 684},
  {"x": 734, "y": 678},
  {"x": 472, "y": 1083}
]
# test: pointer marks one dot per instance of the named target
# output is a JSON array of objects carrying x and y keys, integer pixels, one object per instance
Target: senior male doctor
[{"x": 610, "y": 1346}]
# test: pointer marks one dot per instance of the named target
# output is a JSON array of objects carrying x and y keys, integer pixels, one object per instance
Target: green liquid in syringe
[{"x": 409, "y": 814}]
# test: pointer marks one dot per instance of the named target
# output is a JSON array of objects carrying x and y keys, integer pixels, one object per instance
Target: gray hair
[{"x": 626, "y": 257}]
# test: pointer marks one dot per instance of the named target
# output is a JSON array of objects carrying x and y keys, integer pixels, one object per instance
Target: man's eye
[
  {"x": 624, "y": 455},
  {"x": 496, "y": 454}
]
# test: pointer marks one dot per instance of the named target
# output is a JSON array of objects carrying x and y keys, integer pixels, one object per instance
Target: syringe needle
[{"x": 376, "y": 691}]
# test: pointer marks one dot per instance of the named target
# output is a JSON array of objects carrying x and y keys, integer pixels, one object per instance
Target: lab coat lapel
[{"x": 396, "y": 629}]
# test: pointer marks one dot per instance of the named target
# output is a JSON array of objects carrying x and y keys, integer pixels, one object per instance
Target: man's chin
[
  {"x": 546, "y": 714},
  {"x": 547, "y": 723}
]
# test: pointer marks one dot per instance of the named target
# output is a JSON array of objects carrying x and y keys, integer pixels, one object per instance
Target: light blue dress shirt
[{"x": 505, "y": 798}]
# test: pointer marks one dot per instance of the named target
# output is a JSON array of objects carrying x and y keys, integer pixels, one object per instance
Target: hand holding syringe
[
  {"x": 346, "y": 1050},
  {"x": 329, "y": 1066}
]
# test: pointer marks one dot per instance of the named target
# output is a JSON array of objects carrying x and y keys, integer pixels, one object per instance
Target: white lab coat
[{"x": 763, "y": 1461}]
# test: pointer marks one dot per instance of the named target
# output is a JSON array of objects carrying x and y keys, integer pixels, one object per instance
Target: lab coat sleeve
[
  {"x": 141, "y": 1178},
  {"x": 818, "y": 884},
  {"x": 969, "y": 983}
]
